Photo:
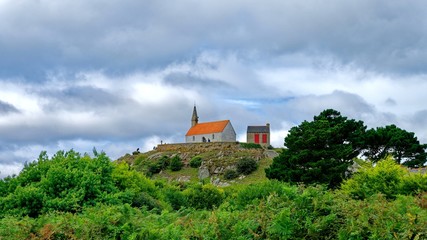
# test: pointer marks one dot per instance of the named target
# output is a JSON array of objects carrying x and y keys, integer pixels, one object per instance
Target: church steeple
[{"x": 194, "y": 118}]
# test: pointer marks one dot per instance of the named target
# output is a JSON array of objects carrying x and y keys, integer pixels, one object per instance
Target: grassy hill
[{"x": 216, "y": 159}]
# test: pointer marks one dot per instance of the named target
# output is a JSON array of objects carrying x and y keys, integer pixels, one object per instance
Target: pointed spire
[{"x": 194, "y": 118}]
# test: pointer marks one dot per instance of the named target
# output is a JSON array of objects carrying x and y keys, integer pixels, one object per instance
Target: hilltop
[{"x": 216, "y": 158}]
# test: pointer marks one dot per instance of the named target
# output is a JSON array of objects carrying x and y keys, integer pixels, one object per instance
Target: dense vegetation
[
  {"x": 322, "y": 151},
  {"x": 73, "y": 196}
]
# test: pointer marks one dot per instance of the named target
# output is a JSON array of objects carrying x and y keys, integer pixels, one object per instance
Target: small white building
[{"x": 218, "y": 131}]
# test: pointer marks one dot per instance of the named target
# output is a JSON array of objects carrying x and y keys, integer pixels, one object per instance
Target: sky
[{"x": 119, "y": 75}]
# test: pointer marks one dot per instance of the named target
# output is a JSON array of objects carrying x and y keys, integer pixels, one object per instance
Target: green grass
[
  {"x": 258, "y": 175},
  {"x": 173, "y": 176}
]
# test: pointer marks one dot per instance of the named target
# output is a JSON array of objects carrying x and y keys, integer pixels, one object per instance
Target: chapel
[{"x": 217, "y": 131}]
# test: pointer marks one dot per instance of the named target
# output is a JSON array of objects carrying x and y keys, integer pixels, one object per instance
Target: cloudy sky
[{"x": 123, "y": 74}]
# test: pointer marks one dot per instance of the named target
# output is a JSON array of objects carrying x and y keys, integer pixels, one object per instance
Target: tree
[
  {"x": 320, "y": 151},
  {"x": 402, "y": 145}
]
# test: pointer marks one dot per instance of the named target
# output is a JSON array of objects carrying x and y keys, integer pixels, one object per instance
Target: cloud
[
  {"x": 7, "y": 108},
  {"x": 126, "y": 74},
  {"x": 125, "y": 36}
]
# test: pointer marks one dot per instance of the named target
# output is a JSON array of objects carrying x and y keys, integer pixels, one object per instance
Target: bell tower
[{"x": 194, "y": 118}]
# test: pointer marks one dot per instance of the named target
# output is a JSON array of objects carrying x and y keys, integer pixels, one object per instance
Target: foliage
[
  {"x": 402, "y": 145},
  {"x": 69, "y": 182},
  {"x": 174, "y": 196},
  {"x": 250, "y": 145},
  {"x": 378, "y": 218},
  {"x": 164, "y": 162},
  {"x": 176, "y": 163},
  {"x": 386, "y": 177},
  {"x": 196, "y": 162},
  {"x": 246, "y": 166},
  {"x": 129, "y": 205},
  {"x": 309, "y": 216},
  {"x": 230, "y": 174},
  {"x": 319, "y": 151},
  {"x": 254, "y": 193},
  {"x": 204, "y": 196}
]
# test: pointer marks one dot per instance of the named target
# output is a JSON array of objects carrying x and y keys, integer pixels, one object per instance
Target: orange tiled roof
[{"x": 207, "y": 127}]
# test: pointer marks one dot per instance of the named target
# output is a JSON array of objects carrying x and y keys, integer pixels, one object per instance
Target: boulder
[{"x": 203, "y": 173}]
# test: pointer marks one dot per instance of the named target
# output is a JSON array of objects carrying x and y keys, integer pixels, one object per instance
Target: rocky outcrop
[{"x": 216, "y": 157}]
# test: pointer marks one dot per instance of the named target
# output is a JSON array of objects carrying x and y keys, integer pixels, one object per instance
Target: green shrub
[
  {"x": 143, "y": 199},
  {"x": 230, "y": 174},
  {"x": 174, "y": 197},
  {"x": 176, "y": 163},
  {"x": 250, "y": 145},
  {"x": 387, "y": 177},
  {"x": 246, "y": 166},
  {"x": 164, "y": 162},
  {"x": 310, "y": 215},
  {"x": 153, "y": 168},
  {"x": 196, "y": 162},
  {"x": 253, "y": 193},
  {"x": 204, "y": 196},
  {"x": 379, "y": 218}
]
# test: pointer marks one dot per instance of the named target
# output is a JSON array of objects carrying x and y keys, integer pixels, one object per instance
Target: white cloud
[{"x": 125, "y": 74}]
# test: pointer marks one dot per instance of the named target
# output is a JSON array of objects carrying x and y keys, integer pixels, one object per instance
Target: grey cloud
[
  {"x": 190, "y": 81},
  {"x": 390, "y": 102},
  {"x": 384, "y": 36},
  {"x": 347, "y": 103},
  {"x": 7, "y": 108},
  {"x": 117, "y": 119},
  {"x": 302, "y": 108},
  {"x": 82, "y": 98}
]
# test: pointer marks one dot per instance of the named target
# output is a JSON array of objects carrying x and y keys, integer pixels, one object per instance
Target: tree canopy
[
  {"x": 402, "y": 145},
  {"x": 319, "y": 151}
]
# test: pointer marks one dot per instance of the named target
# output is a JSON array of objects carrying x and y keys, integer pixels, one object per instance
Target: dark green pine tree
[
  {"x": 320, "y": 151},
  {"x": 402, "y": 145}
]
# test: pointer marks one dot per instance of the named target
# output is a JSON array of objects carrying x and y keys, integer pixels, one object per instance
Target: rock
[
  {"x": 215, "y": 181},
  {"x": 223, "y": 184},
  {"x": 154, "y": 156},
  {"x": 232, "y": 167},
  {"x": 184, "y": 179},
  {"x": 271, "y": 153},
  {"x": 218, "y": 170},
  {"x": 203, "y": 173}
]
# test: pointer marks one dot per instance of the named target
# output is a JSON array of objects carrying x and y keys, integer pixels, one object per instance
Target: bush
[
  {"x": 164, "y": 162},
  {"x": 204, "y": 197},
  {"x": 196, "y": 162},
  {"x": 176, "y": 163},
  {"x": 379, "y": 218},
  {"x": 230, "y": 174},
  {"x": 174, "y": 197},
  {"x": 387, "y": 177},
  {"x": 154, "y": 168},
  {"x": 253, "y": 193},
  {"x": 246, "y": 166},
  {"x": 310, "y": 215}
]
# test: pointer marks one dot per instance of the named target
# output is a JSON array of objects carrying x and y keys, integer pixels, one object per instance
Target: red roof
[{"x": 207, "y": 128}]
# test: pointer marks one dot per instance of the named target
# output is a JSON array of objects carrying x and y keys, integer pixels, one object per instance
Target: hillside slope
[{"x": 216, "y": 159}]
